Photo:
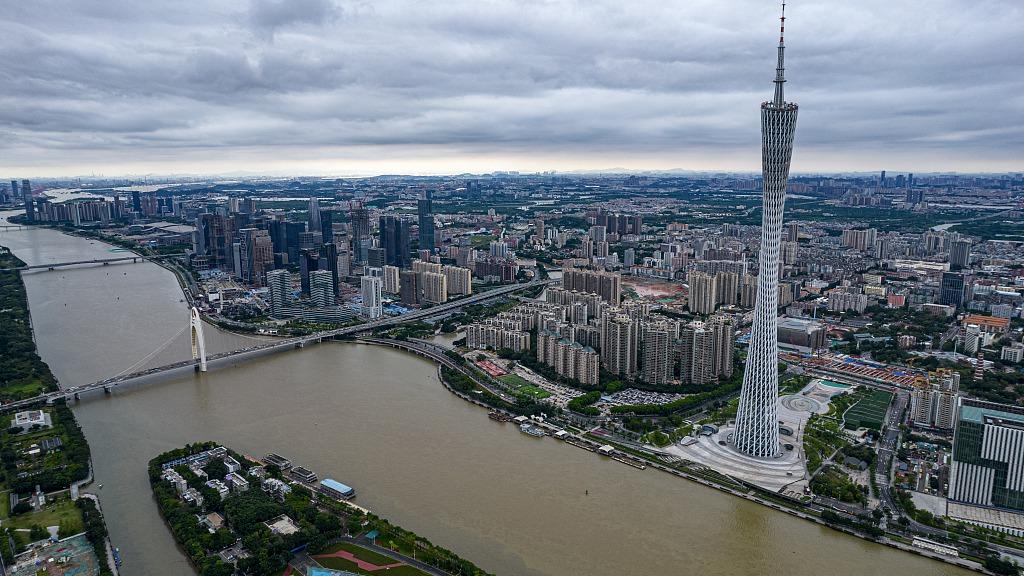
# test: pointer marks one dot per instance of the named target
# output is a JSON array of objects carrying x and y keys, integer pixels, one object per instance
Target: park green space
[{"x": 522, "y": 386}]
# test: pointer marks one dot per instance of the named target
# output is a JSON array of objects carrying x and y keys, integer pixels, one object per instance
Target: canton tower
[{"x": 757, "y": 425}]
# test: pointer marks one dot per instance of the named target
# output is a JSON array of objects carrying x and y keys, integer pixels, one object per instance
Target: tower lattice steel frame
[{"x": 757, "y": 424}]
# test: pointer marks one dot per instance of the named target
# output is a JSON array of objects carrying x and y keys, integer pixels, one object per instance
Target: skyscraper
[
  {"x": 757, "y": 425},
  {"x": 321, "y": 288},
  {"x": 959, "y": 254},
  {"x": 370, "y": 288},
  {"x": 425, "y": 212},
  {"x": 952, "y": 289},
  {"x": 394, "y": 239},
  {"x": 280, "y": 283},
  {"x": 314, "y": 214}
]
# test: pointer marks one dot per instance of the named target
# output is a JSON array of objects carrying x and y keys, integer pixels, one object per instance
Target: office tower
[
  {"x": 757, "y": 426},
  {"x": 308, "y": 262},
  {"x": 959, "y": 254},
  {"x": 952, "y": 289},
  {"x": 608, "y": 285},
  {"x": 321, "y": 288},
  {"x": 374, "y": 257},
  {"x": 327, "y": 226},
  {"x": 359, "y": 217},
  {"x": 409, "y": 287},
  {"x": 435, "y": 287},
  {"x": 280, "y": 284},
  {"x": 696, "y": 351},
  {"x": 394, "y": 239},
  {"x": 15, "y": 193},
  {"x": 657, "y": 365},
  {"x": 30, "y": 203},
  {"x": 391, "y": 279},
  {"x": 703, "y": 293},
  {"x": 314, "y": 214},
  {"x": 261, "y": 257},
  {"x": 136, "y": 201},
  {"x": 619, "y": 344},
  {"x": 538, "y": 228},
  {"x": 425, "y": 220},
  {"x": 370, "y": 290},
  {"x": 988, "y": 455},
  {"x": 329, "y": 262}
]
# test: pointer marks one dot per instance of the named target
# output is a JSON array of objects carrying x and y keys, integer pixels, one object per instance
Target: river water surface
[{"x": 379, "y": 420}]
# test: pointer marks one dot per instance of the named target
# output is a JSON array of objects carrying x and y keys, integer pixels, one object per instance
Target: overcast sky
[{"x": 336, "y": 87}]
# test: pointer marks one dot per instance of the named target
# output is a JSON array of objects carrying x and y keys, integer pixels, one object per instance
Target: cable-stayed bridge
[{"x": 201, "y": 360}]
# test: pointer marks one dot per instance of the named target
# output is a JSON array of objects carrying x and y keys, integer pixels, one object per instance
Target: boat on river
[{"x": 527, "y": 428}]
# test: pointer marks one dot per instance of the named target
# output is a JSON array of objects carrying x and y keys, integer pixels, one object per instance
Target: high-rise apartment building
[
  {"x": 606, "y": 284},
  {"x": 657, "y": 356},
  {"x": 757, "y": 425},
  {"x": 391, "y": 279},
  {"x": 933, "y": 402},
  {"x": 863, "y": 240},
  {"x": 569, "y": 358},
  {"x": 435, "y": 287},
  {"x": 619, "y": 344},
  {"x": 409, "y": 287},
  {"x": 370, "y": 291},
  {"x": 703, "y": 293},
  {"x": 460, "y": 280}
]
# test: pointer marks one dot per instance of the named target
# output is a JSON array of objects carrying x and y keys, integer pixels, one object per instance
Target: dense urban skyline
[{"x": 331, "y": 88}]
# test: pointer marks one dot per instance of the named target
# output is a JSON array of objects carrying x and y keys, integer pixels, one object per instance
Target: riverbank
[
  {"x": 381, "y": 420},
  {"x": 48, "y": 454},
  {"x": 710, "y": 479},
  {"x": 265, "y": 518}
]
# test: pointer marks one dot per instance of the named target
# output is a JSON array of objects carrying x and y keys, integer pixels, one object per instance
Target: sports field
[
  {"x": 522, "y": 386},
  {"x": 869, "y": 412}
]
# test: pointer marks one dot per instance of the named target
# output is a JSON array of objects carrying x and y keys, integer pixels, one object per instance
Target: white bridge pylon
[{"x": 198, "y": 343}]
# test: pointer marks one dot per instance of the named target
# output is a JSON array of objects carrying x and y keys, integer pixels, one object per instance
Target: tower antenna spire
[{"x": 780, "y": 70}]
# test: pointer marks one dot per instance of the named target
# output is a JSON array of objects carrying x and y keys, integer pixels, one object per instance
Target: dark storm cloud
[{"x": 97, "y": 81}]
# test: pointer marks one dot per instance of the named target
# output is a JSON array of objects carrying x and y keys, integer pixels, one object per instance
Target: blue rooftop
[{"x": 335, "y": 485}]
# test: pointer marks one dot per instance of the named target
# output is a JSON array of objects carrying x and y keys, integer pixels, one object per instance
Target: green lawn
[
  {"x": 481, "y": 240},
  {"x": 59, "y": 513},
  {"x": 522, "y": 386}
]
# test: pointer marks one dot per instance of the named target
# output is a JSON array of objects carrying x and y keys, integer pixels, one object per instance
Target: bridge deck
[{"x": 275, "y": 345}]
